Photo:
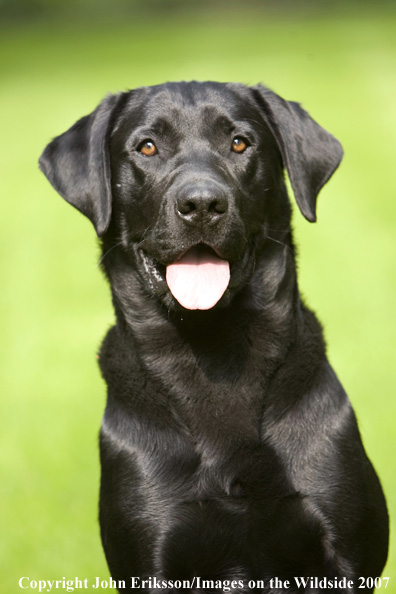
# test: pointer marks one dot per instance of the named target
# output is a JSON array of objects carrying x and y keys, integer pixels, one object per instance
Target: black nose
[{"x": 203, "y": 204}]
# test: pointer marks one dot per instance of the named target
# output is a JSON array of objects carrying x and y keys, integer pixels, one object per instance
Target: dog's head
[{"x": 185, "y": 177}]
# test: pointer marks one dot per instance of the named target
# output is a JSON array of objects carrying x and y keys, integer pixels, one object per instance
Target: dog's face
[
  {"x": 194, "y": 168},
  {"x": 187, "y": 177}
]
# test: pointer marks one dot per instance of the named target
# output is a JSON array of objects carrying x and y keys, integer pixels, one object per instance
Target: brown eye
[
  {"x": 239, "y": 144},
  {"x": 148, "y": 148}
]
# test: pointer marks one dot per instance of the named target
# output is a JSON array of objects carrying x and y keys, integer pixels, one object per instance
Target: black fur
[{"x": 229, "y": 449}]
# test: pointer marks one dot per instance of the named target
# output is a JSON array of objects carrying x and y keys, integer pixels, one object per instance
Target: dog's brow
[
  {"x": 246, "y": 124},
  {"x": 222, "y": 121},
  {"x": 161, "y": 125}
]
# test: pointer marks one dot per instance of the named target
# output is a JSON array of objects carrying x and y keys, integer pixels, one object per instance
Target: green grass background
[{"x": 55, "y": 305}]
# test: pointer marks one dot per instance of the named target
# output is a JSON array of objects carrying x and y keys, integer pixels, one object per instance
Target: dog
[{"x": 230, "y": 453}]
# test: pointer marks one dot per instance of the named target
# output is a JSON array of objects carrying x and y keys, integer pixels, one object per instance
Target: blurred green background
[{"x": 57, "y": 61}]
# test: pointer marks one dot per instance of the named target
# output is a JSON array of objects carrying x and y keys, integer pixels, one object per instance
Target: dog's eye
[
  {"x": 239, "y": 144},
  {"x": 148, "y": 148}
]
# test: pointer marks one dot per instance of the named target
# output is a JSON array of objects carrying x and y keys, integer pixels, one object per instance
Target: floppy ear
[
  {"x": 310, "y": 153},
  {"x": 77, "y": 164}
]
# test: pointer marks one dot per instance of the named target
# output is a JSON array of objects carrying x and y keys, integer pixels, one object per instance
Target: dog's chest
[
  {"x": 212, "y": 399},
  {"x": 195, "y": 460},
  {"x": 218, "y": 415}
]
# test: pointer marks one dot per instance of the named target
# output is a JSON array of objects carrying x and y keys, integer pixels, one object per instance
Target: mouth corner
[{"x": 152, "y": 267}]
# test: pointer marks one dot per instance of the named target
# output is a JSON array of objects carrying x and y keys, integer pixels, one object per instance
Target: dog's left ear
[
  {"x": 77, "y": 164},
  {"x": 310, "y": 154}
]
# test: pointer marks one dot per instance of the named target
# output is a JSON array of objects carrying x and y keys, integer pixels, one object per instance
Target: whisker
[
  {"x": 108, "y": 252},
  {"x": 281, "y": 243},
  {"x": 145, "y": 233},
  {"x": 279, "y": 230}
]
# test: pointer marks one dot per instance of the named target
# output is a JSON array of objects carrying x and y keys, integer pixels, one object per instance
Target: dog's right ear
[{"x": 77, "y": 163}]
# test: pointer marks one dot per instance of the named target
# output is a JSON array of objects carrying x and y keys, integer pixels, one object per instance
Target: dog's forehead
[{"x": 189, "y": 105}]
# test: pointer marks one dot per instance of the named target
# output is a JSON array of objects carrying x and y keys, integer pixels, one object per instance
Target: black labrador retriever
[{"x": 231, "y": 458}]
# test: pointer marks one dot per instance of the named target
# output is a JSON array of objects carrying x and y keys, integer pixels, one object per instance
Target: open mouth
[{"x": 197, "y": 280}]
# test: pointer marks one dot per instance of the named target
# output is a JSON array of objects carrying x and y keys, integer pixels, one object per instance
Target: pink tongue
[{"x": 198, "y": 280}]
